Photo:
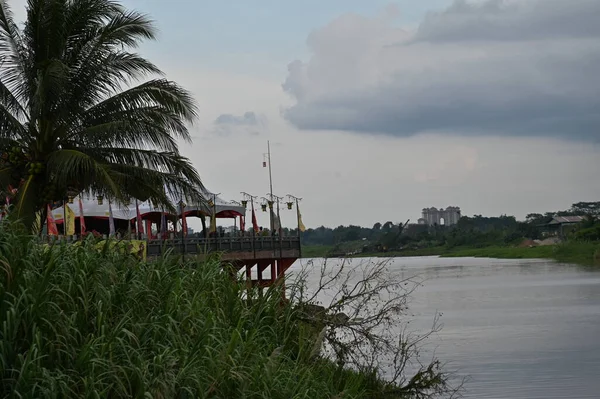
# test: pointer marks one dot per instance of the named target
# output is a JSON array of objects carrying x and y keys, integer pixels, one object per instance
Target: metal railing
[{"x": 223, "y": 244}]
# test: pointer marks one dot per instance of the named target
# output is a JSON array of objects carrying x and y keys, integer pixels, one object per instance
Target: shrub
[{"x": 77, "y": 322}]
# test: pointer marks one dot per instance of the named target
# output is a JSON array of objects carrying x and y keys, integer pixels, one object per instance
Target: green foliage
[
  {"x": 577, "y": 252},
  {"x": 70, "y": 120},
  {"x": 316, "y": 251},
  {"x": 77, "y": 322},
  {"x": 546, "y": 252},
  {"x": 586, "y": 208},
  {"x": 589, "y": 234},
  {"x": 470, "y": 236},
  {"x": 580, "y": 252}
]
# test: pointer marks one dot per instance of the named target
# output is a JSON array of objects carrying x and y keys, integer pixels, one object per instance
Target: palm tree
[{"x": 71, "y": 121}]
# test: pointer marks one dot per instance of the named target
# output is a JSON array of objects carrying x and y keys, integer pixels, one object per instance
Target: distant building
[
  {"x": 561, "y": 225},
  {"x": 447, "y": 217}
]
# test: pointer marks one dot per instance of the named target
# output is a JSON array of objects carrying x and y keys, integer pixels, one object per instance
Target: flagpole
[
  {"x": 270, "y": 175},
  {"x": 65, "y": 218},
  {"x": 183, "y": 232},
  {"x": 251, "y": 197},
  {"x": 297, "y": 200},
  {"x": 270, "y": 184},
  {"x": 280, "y": 231}
]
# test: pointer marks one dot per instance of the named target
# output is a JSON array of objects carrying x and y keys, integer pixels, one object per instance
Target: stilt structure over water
[{"x": 264, "y": 260}]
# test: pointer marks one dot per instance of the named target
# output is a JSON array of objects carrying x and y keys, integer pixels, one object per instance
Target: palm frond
[
  {"x": 137, "y": 128},
  {"x": 10, "y": 101},
  {"x": 100, "y": 78},
  {"x": 66, "y": 100},
  {"x": 160, "y": 187},
  {"x": 13, "y": 59},
  {"x": 10, "y": 127},
  {"x": 27, "y": 197},
  {"x": 70, "y": 167},
  {"x": 166, "y": 162},
  {"x": 161, "y": 93},
  {"x": 6, "y": 178}
]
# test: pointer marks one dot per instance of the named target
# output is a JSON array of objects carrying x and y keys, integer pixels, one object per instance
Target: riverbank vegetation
[
  {"x": 78, "y": 322},
  {"x": 501, "y": 237}
]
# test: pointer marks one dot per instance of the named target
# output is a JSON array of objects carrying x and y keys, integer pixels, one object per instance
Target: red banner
[
  {"x": 51, "y": 224},
  {"x": 254, "y": 222}
]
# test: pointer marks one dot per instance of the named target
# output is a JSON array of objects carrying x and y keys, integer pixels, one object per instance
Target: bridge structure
[{"x": 264, "y": 259}]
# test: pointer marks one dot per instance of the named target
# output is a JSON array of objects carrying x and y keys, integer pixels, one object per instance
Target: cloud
[
  {"x": 248, "y": 119},
  {"x": 523, "y": 68},
  {"x": 248, "y": 123},
  {"x": 499, "y": 20}
]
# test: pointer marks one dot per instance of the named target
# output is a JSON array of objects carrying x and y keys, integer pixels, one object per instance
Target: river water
[{"x": 517, "y": 329}]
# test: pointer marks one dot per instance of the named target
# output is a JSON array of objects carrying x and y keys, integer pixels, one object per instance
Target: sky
[{"x": 377, "y": 109}]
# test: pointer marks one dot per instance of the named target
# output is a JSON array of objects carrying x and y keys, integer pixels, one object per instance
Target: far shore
[{"x": 582, "y": 253}]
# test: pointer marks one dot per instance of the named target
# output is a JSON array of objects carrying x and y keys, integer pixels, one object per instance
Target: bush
[
  {"x": 589, "y": 234},
  {"x": 76, "y": 322}
]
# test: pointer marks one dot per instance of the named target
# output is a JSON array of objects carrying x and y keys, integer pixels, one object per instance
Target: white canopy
[{"x": 91, "y": 208}]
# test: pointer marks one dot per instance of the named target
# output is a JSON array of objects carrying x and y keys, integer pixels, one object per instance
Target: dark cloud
[
  {"x": 501, "y": 20},
  {"x": 517, "y": 68},
  {"x": 248, "y": 119},
  {"x": 248, "y": 123}
]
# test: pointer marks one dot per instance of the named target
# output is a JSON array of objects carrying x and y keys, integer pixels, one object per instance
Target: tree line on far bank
[{"x": 475, "y": 231}]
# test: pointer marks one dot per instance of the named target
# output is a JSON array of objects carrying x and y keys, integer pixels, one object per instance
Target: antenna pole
[{"x": 270, "y": 175}]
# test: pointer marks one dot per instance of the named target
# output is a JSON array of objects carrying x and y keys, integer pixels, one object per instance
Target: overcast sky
[{"x": 376, "y": 109}]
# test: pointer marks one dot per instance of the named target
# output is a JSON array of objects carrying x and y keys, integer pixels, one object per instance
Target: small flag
[
  {"x": 149, "y": 228},
  {"x": 138, "y": 216},
  {"x": 12, "y": 191},
  {"x": 301, "y": 226},
  {"x": 51, "y": 224},
  {"x": 242, "y": 223},
  {"x": 254, "y": 222},
  {"x": 69, "y": 220},
  {"x": 111, "y": 221},
  {"x": 276, "y": 221},
  {"x": 38, "y": 222},
  {"x": 81, "y": 218}
]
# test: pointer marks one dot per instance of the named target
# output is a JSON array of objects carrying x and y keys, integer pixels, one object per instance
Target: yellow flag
[
  {"x": 37, "y": 228},
  {"x": 301, "y": 226},
  {"x": 69, "y": 220},
  {"x": 213, "y": 223}
]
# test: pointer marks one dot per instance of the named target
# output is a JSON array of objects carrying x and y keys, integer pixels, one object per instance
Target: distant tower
[
  {"x": 432, "y": 216},
  {"x": 453, "y": 215}
]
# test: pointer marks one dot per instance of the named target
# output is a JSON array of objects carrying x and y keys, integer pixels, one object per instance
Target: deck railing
[
  {"x": 225, "y": 244},
  {"x": 258, "y": 247}
]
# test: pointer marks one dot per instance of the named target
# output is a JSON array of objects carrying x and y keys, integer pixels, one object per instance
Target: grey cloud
[
  {"x": 248, "y": 119},
  {"x": 248, "y": 123},
  {"x": 517, "y": 83},
  {"x": 502, "y": 20}
]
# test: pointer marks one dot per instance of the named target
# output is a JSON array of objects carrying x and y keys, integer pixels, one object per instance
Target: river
[{"x": 517, "y": 329}]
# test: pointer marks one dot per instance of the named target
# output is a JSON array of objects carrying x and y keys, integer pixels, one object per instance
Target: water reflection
[{"x": 521, "y": 329}]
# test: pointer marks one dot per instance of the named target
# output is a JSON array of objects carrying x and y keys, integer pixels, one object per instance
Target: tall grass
[
  {"x": 580, "y": 252},
  {"x": 77, "y": 322}
]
